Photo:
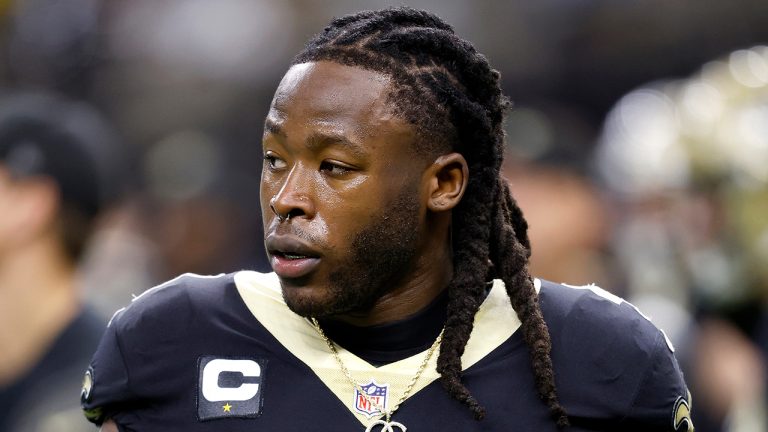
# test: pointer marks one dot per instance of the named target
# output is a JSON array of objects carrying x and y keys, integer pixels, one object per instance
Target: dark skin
[{"x": 337, "y": 160}]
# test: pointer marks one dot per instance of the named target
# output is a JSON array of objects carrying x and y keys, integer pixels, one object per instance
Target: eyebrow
[
  {"x": 319, "y": 140},
  {"x": 273, "y": 128}
]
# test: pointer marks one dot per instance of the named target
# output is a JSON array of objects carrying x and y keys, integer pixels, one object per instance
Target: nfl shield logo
[{"x": 377, "y": 393}]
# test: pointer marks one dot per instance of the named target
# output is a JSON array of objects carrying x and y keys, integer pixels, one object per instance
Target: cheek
[
  {"x": 345, "y": 214},
  {"x": 334, "y": 194},
  {"x": 356, "y": 196}
]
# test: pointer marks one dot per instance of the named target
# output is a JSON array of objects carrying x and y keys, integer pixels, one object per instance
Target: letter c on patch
[{"x": 214, "y": 368}]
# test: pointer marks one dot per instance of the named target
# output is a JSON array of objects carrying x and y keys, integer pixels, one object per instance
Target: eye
[
  {"x": 274, "y": 162},
  {"x": 335, "y": 169}
]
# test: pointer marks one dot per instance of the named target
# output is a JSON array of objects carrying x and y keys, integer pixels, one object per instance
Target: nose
[{"x": 293, "y": 200}]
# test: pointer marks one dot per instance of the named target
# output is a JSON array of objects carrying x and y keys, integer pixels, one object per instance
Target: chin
[
  {"x": 327, "y": 300},
  {"x": 309, "y": 302}
]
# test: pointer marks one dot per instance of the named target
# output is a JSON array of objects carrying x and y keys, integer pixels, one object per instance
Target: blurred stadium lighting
[
  {"x": 222, "y": 39},
  {"x": 699, "y": 143}
]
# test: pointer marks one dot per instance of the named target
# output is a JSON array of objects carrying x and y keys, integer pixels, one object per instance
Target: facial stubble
[{"x": 380, "y": 257}]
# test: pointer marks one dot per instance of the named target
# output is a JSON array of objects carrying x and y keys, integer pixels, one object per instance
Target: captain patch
[{"x": 229, "y": 387}]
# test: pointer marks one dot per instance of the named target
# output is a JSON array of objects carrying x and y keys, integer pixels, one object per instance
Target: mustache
[{"x": 294, "y": 230}]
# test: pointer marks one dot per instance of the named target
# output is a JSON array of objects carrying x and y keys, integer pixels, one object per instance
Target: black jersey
[{"x": 225, "y": 353}]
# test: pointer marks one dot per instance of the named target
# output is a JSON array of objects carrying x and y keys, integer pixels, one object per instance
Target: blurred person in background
[
  {"x": 547, "y": 155},
  {"x": 59, "y": 169},
  {"x": 572, "y": 251},
  {"x": 199, "y": 208},
  {"x": 685, "y": 164},
  {"x": 194, "y": 212}
]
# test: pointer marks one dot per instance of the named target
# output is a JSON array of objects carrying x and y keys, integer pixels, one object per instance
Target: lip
[
  {"x": 293, "y": 268},
  {"x": 280, "y": 245}
]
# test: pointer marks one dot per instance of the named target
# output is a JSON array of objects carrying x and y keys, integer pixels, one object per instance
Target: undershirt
[{"x": 387, "y": 343}]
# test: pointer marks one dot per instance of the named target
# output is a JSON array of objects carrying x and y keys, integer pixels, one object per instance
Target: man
[
  {"x": 51, "y": 191},
  {"x": 400, "y": 296}
]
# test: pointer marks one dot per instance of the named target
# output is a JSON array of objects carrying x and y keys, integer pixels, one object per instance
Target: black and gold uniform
[{"x": 225, "y": 353}]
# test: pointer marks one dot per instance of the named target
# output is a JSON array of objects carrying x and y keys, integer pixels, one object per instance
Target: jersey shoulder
[
  {"x": 151, "y": 348},
  {"x": 172, "y": 302},
  {"x": 610, "y": 360},
  {"x": 572, "y": 310}
]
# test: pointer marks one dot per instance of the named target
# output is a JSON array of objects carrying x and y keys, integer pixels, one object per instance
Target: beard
[{"x": 380, "y": 257}]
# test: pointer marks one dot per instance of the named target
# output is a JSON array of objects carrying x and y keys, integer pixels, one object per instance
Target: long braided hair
[{"x": 451, "y": 95}]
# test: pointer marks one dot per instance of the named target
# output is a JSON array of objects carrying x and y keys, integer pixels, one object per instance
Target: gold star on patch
[{"x": 227, "y": 407}]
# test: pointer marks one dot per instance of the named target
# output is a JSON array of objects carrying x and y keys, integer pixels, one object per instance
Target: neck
[
  {"x": 430, "y": 277},
  {"x": 37, "y": 301},
  {"x": 394, "y": 341}
]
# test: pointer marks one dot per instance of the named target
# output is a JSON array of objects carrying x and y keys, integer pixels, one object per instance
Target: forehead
[{"x": 332, "y": 95}]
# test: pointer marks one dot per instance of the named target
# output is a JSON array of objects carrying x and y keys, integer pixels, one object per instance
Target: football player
[{"x": 400, "y": 297}]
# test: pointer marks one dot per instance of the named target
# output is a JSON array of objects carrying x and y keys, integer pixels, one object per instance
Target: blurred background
[{"x": 638, "y": 149}]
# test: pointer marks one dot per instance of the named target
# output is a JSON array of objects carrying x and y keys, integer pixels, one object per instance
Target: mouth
[{"x": 291, "y": 257}]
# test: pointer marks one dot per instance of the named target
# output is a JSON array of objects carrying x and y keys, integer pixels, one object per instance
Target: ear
[{"x": 447, "y": 181}]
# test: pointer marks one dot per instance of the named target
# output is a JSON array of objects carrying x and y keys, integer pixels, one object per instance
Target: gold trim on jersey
[
  {"x": 262, "y": 294},
  {"x": 681, "y": 417}
]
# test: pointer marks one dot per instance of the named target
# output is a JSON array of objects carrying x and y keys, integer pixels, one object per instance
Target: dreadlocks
[{"x": 452, "y": 96}]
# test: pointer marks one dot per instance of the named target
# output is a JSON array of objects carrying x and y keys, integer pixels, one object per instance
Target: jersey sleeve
[
  {"x": 615, "y": 369},
  {"x": 663, "y": 397},
  {"x": 143, "y": 358},
  {"x": 106, "y": 386}
]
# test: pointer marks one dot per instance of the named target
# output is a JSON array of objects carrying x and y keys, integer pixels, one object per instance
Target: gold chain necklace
[{"x": 385, "y": 421}]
